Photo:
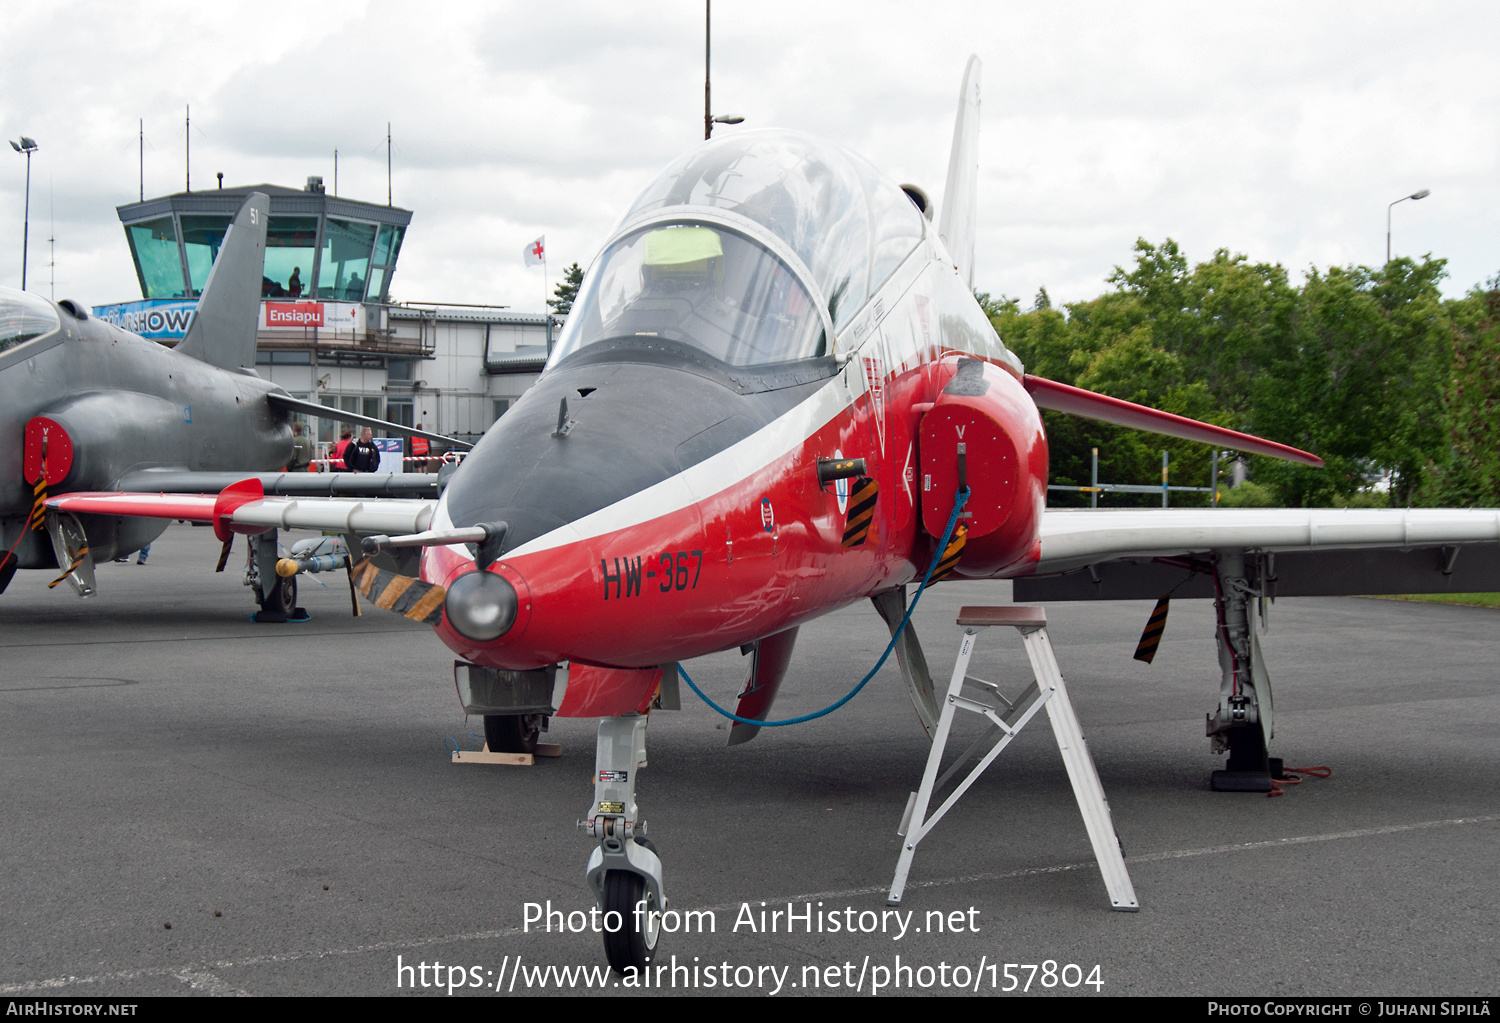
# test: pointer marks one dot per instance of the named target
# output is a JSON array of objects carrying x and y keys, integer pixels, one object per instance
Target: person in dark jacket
[{"x": 362, "y": 455}]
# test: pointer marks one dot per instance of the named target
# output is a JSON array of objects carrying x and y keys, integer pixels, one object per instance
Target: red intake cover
[
  {"x": 42, "y": 431},
  {"x": 990, "y": 463}
]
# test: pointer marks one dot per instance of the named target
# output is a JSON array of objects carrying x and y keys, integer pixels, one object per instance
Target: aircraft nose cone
[{"x": 481, "y": 606}]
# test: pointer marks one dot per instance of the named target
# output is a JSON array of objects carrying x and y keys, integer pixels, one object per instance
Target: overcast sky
[{"x": 1276, "y": 130}]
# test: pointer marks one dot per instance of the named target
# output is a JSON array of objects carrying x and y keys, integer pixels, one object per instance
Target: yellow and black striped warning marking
[
  {"x": 39, "y": 503},
  {"x": 419, "y": 601},
  {"x": 77, "y": 560},
  {"x": 861, "y": 511},
  {"x": 951, "y": 554},
  {"x": 1151, "y": 637}
]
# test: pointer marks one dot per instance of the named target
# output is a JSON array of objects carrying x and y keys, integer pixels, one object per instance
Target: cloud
[{"x": 1280, "y": 131}]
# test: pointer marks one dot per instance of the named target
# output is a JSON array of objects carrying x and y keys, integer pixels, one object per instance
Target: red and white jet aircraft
[{"x": 773, "y": 384}]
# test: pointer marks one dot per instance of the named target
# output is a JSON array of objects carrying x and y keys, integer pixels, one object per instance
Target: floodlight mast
[
  {"x": 28, "y": 146},
  {"x": 1424, "y": 193}
]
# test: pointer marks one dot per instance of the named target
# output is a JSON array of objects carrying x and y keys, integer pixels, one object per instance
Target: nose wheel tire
[
  {"x": 635, "y": 944},
  {"x": 512, "y": 733}
]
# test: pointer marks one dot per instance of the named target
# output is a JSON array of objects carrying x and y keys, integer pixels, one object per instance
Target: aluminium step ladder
[{"x": 1007, "y": 718}]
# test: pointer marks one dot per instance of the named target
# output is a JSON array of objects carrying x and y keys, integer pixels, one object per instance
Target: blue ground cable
[{"x": 960, "y": 499}]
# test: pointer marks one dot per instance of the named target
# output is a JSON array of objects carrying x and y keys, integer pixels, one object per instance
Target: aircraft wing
[
  {"x": 1139, "y": 554},
  {"x": 285, "y": 402}
]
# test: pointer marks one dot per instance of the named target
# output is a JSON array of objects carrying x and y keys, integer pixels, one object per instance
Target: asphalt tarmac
[{"x": 282, "y": 796}]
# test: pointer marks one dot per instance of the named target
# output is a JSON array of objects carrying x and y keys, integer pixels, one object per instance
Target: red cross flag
[{"x": 535, "y": 253}]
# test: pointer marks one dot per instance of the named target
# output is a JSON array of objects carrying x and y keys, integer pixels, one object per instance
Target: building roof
[{"x": 284, "y": 202}]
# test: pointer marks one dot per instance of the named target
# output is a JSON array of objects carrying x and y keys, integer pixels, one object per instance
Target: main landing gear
[
  {"x": 624, "y": 870},
  {"x": 276, "y": 594},
  {"x": 1243, "y": 724}
]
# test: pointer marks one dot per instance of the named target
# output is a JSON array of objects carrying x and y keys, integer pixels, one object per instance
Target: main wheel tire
[
  {"x": 631, "y": 947},
  {"x": 512, "y": 733},
  {"x": 280, "y": 601}
]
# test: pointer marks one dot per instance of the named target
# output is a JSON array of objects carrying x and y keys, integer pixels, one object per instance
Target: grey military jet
[{"x": 87, "y": 406}]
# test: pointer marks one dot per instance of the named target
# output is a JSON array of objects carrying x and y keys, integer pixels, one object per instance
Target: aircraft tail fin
[
  {"x": 956, "y": 225},
  {"x": 223, "y": 329}
]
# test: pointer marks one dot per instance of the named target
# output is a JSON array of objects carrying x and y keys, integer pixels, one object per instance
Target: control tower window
[
  {"x": 387, "y": 248},
  {"x": 201, "y": 238},
  {"x": 290, "y": 247},
  {"x": 345, "y": 266},
  {"x": 153, "y": 244},
  {"x": 387, "y": 245}
]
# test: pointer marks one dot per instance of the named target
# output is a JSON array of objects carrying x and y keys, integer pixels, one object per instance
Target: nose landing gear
[
  {"x": 513, "y": 733},
  {"x": 624, "y": 871}
]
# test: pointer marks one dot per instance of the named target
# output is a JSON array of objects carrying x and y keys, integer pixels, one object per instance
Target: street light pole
[
  {"x": 27, "y": 146},
  {"x": 1424, "y": 193},
  {"x": 709, "y": 120}
]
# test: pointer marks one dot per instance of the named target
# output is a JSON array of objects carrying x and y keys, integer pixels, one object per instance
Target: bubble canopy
[
  {"x": 701, "y": 285},
  {"x": 687, "y": 265},
  {"x": 23, "y": 317}
]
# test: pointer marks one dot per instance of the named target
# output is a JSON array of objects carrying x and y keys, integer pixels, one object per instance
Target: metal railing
[{"x": 1164, "y": 488}]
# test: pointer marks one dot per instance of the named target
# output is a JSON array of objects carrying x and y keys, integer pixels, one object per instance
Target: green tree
[
  {"x": 1352, "y": 366},
  {"x": 1470, "y": 476},
  {"x": 994, "y": 305},
  {"x": 1358, "y": 380},
  {"x": 567, "y": 291}
]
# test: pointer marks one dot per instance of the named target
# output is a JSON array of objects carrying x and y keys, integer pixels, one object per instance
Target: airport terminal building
[{"x": 329, "y": 331}]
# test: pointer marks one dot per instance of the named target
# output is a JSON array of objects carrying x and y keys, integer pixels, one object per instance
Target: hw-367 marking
[{"x": 678, "y": 571}]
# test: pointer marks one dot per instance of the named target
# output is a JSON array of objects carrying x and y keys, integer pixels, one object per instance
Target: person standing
[
  {"x": 302, "y": 451},
  {"x": 336, "y": 456},
  {"x": 362, "y": 455}
]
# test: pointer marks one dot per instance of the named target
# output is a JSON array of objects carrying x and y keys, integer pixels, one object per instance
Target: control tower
[
  {"x": 318, "y": 246},
  {"x": 328, "y": 331}
]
